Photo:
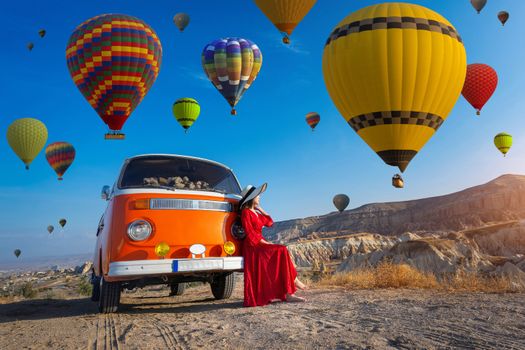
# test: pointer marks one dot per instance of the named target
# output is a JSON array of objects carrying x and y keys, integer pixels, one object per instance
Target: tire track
[
  {"x": 172, "y": 339},
  {"x": 106, "y": 334}
]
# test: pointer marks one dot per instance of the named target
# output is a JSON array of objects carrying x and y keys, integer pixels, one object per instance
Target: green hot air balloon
[
  {"x": 186, "y": 110},
  {"x": 181, "y": 20},
  {"x": 341, "y": 201},
  {"x": 62, "y": 222},
  {"x": 27, "y": 137},
  {"x": 478, "y": 4},
  {"x": 17, "y": 252},
  {"x": 503, "y": 142},
  {"x": 50, "y": 228}
]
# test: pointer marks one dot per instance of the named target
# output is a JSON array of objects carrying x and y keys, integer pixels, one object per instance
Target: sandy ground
[{"x": 335, "y": 319}]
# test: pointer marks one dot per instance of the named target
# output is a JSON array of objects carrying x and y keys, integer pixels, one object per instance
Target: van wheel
[
  {"x": 109, "y": 296},
  {"x": 222, "y": 286},
  {"x": 177, "y": 288},
  {"x": 95, "y": 291}
]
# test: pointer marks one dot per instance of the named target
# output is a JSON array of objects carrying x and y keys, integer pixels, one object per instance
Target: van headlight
[{"x": 139, "y": 230}]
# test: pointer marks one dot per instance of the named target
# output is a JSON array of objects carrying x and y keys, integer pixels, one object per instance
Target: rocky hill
[{"x": 500, "y": 200}]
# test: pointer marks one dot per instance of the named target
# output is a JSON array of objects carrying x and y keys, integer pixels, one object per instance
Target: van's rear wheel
[
  {"x": 109, "y": 296},
  {"x": 95, "y": 291},
  {"x": 222, "y": 285},
  {"x": 177, "y": 288}
]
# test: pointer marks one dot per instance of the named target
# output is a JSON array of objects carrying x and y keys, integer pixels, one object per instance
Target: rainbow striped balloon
[
  {"x": 60, "y": 155},
  {"x": 114, "y": 60},
  {"x": 232, "y": 64},
  {"x": 313, "y": 119}
]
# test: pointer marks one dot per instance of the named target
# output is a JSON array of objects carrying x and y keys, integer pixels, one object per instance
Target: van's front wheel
[
  {"x": 109, "y": 296},
  {"x": 177, "y": 288},
  {"x": 222, "y": 285}
]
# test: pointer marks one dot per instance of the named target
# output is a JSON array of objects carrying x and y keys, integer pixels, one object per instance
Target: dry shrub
[{"x": 389, "y": 275}]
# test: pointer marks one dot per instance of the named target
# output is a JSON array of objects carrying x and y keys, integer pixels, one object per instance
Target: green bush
[
  {"x": 27, "y": 291},
  {"x": 84, "y": 287}
]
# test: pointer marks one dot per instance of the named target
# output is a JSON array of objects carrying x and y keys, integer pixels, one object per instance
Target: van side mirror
[{"x": 105, "y": 192}]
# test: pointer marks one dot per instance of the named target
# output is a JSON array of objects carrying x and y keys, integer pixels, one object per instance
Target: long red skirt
[{"x": 269, "y": 274}]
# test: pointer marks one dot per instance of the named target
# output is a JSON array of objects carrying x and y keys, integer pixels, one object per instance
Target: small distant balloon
[
  {"x": 42, "y": 33},
  {"x": 181, "y": 20},
  {"x": 17, "y": 252},
  {"x": 60, "y": 155},
  {"x": 341, "y": 201},
  {"x": 503, "y": 142},
  {"x": 62, "y": 222},
  {"x": 478, "y": 4},
  {"x": 186, "y": 110},
  {"x": 30, "y": 46},
  {"x": 503, "y": 17},
  {"x": 312, "y": 119},
  {"x": 50, "y": 228}
]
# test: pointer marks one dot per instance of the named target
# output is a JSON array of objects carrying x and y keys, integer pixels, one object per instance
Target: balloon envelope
[
  {"x": 27, "y": 137},
  {"x": 42, "y": 33},
  {"x": 394, "y": 81},
  {"x": 341, "y": 201},
  {"x": 114, "y": 60},
  {"x": 503, "y": 17},
  {"x": 62, "y": 222},
  {"x": 503, "y": 142},
  {"x": 181, "y": 20},
  {"x": 232, "y": 64},
  {"x": 312, "y": 119},
  {"x": 60, "y": 156},
  {"x": 480, "y": 84},
  {"x": 17, "y": 252},
  {"x": 285, "y": 15},
  {"x": 478, "y": 4},
  {"x": 50, "y": 228},
  {"x": 30, "y": 46},
  {"x": 186, "y": 110}
]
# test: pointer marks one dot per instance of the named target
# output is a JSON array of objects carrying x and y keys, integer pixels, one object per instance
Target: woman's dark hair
[{"x": 247, "y": 204}]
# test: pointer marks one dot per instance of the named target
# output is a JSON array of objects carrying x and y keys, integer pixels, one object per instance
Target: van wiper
[{"x": 161, "y": 187}]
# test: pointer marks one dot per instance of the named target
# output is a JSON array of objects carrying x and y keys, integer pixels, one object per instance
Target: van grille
[{"x": 189, "y": 204}]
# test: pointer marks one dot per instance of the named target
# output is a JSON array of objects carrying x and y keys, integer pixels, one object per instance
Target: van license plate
[{"x": 197, "y": 265}]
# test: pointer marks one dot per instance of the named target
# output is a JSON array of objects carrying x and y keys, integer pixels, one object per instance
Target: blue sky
[{"x": 268, "y": 141}]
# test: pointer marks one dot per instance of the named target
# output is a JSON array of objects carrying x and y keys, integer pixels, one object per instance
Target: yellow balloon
[
  {"x": 395, "y": 71},
  {"x": 285, "y": 15},
  {"x": 27, "y": 137}
]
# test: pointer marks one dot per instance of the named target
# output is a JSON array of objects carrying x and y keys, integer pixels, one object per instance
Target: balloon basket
[
  {"x": 114, "y": 136},
  {"x": 478, "y": 113},
  {"x": 60, "y": 179},
  {"x": 233, "y": 112},
  {"x": 286, "y": 40},
  {"x": 397, "y": 181}
]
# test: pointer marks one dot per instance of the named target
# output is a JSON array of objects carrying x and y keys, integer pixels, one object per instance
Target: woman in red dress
[{"x": 269, "y": 273}]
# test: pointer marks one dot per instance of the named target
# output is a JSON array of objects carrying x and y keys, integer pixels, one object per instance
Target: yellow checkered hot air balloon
[
  {"x": 27, "y": 137},
  {"x": 285, "y": 14},
  {"x": 394, "y": 71}
]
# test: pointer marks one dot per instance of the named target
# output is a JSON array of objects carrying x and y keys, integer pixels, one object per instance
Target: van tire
[
  {"x": 95, "y": 291},
  {"x": 177, "y": 288},
  {"x": 109, "y": 296},
  {"x": 222, "y": 286}
]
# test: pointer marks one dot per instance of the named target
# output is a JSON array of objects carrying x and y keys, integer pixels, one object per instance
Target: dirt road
[{"x": 335, "y": 319}]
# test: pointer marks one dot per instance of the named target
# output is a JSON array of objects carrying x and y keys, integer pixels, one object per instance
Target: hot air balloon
[
  {"x": 312, "y": 119},
  {"x": 62, "y": 222},
  {"x": 42, "y": 33},
  {"x": 397, "y": 181},
  {"x": 114, "y": 60},
  {"x": 60, "y": 155},
  {"x": 50, "y": 228},
  {"x": 503, "y": 142},
  {"x": 503, "y": 17},
  {"x": 232, "y": 64},
  {"x": 394, "y": 71},
  {"x": 27, "y": 137},
  {"x": 17, "y": 252},
  {"x": 341, "y": 201},
  {"x": 480, "y": 84},
  {"x": 186, "y": 110},
  {"x": 478, "y": 4},
  {"x": 285, "y": 15},
  {"x": 181, "y": 20},
  {"x": 30, "y": 46}
]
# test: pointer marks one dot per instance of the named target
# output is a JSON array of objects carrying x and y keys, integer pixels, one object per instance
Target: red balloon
[{"x": 480, "y": 84}]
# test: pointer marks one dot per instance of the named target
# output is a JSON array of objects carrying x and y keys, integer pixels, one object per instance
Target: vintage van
[{"x": 170, "y": 220}]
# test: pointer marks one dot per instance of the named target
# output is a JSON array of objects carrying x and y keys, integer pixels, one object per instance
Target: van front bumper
[{"x": 137, "y": 268}]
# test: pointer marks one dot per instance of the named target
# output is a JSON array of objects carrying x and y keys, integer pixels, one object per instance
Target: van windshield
[{"x": 178, "y": 173}]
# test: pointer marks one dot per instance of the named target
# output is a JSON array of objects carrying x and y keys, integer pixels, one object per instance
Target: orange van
[{"x": 170, "y": 220}]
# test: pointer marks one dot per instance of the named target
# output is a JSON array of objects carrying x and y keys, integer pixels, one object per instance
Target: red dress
[{"x": 269, "y": 272}]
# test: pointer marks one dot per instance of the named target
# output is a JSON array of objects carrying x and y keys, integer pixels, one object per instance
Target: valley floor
[{"x": 333, "y": 318}]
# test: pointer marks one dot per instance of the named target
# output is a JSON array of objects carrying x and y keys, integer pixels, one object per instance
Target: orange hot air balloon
[
  {"x": 60, "y": 155},
  {"x": 114, "y": 60}
]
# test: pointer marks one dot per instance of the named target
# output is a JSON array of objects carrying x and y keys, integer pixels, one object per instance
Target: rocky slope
[{"x": 500, "y": 200}]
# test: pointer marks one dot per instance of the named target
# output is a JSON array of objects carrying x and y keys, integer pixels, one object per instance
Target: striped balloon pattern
[
  {"x": 114, "y": 60},
  {"x": 313, "y": 119},
  {"x": 60, "y": 155},
  {"x": 232, "y": 64}
]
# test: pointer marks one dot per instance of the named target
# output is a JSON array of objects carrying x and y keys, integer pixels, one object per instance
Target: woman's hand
[
  {"x": 262, "y": 241},
  {"x": 261, "y": 210}
]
